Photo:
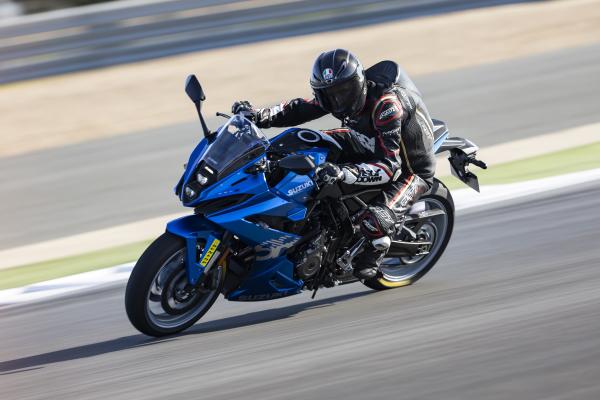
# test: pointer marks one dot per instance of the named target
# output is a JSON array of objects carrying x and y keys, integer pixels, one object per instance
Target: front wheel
[
  {"x": 158, "y": 299},
  {"x": 402, "y": 271}
]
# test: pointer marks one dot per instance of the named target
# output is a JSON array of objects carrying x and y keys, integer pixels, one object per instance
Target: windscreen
[{"x": 238, "y": 142}]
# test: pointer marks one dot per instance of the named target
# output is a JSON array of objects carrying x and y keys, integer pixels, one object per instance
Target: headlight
[
  {"x": 189, "y": 192},
  {"x": 201, "y": 179}
]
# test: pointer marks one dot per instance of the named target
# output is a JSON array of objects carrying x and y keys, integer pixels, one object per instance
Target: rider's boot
[
  {"x": 367, "y": 263},
  {"x": 377, "y": 224}
]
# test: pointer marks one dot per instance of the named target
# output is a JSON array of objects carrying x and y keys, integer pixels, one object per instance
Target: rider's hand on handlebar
[
  {"x": 247, "y": 110},
  {"x": 260, "y": 116},
  {"x": 328, "y": 173},
  {"x": 241, "y": 106}
]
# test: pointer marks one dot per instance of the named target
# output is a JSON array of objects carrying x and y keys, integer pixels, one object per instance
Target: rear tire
[
  {"x": 440, "y": 196},
  {"x": 153, "y": 297}
]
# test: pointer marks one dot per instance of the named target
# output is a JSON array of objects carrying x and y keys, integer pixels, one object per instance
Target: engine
[{"x": 310, "y": 257}]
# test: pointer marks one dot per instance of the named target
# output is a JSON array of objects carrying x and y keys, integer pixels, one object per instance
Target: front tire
[
  {"x": 156, "y": 299},
  {"x": 404, "y": 271}
]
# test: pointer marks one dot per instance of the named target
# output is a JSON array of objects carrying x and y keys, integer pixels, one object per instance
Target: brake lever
[{"x": 220, "y": 114}]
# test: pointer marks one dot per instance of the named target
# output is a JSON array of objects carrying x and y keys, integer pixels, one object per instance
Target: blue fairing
[{"x": 272, "y": 273}]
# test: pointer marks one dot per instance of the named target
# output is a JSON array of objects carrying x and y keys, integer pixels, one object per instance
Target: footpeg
[{"x": 345, "y": 261}]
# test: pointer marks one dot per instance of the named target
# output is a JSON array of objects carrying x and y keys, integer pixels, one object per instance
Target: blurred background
[
  {"x": 95, "y": 127},
  {"x": 10, "y": 8}
]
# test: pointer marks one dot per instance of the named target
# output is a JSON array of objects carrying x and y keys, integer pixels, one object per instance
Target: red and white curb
[{"x": 463, "y": 199}]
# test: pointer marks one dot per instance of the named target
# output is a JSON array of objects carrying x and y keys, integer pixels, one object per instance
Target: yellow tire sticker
[
  {"x": 387, "y": 283},
  {"x": 210, "y": 252}
]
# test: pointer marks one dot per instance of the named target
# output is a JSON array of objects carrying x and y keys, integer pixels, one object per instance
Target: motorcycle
[{"x": 263, "y": 229}]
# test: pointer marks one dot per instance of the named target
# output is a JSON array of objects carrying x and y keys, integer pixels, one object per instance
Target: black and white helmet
[{"x": 339, "y": 84}]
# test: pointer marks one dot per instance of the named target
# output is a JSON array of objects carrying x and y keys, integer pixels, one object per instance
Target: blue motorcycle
[{"x": 263, "y": 229}]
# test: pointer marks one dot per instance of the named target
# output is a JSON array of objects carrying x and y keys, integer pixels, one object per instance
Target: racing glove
[
  {"x": 242, "y": 106},
  {"x": 328, "y": 173},
  {"x": 260, "y": 116}
]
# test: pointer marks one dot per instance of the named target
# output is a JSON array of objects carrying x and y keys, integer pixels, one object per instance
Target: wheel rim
[
  {"x": 168, "y": 305},
  {"x": 427, "y": 232},
  {"x": 397, "y": 269}
]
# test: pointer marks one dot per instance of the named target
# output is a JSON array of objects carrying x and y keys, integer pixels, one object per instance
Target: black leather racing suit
[{"x": 389, "y": 143}]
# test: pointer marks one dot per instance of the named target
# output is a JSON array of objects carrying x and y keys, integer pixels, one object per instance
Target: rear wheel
[
  {"x": 158, "y": 299},
  {"x": 402, "y": 271}
]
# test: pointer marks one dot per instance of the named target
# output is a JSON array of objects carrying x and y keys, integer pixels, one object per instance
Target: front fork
[
  {"x": 193, "y": 230},
  {"x": 201, "y": 266}
]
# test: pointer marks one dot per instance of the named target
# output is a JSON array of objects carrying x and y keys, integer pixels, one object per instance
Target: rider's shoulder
[
  {"x": 385, "y": 73},
  {"x": 387, "y": 108}
]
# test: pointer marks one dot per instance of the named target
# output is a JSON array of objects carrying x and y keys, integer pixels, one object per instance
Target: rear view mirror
[
  {"x": 194, "y": 89},
  {"x": 195, "y": 92},
  {"x": 298, "y": 163}
]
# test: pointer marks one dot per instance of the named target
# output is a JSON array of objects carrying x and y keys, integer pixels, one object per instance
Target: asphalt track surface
[
  {"x": 511, "y": 311},
  {"x": 102, "y": 183}
]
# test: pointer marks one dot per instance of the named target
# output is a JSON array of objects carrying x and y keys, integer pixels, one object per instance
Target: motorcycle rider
[{"x": 386, "y": 139}]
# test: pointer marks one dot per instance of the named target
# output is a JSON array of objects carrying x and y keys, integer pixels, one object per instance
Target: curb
[{"x": 66, "y": 285}]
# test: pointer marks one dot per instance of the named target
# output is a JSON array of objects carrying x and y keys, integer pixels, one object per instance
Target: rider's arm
[
  {"x": 387, "y": 117},
  {"x": 294, "y": 112}
]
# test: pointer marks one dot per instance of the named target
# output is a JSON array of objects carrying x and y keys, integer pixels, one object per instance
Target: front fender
[{"x": 192, "y": 228}]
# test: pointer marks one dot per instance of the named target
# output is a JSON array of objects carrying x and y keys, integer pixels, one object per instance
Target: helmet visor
[{"x": 343, "y": 98}]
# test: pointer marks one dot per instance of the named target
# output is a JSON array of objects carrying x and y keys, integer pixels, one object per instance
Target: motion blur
[{"x": 96, "y": 127}]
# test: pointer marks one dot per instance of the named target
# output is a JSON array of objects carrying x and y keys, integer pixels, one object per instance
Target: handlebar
[{"x": 249, "y": 115}]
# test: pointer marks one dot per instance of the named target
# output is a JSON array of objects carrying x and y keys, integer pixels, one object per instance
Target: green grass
[
  {"x": 562, "y": 162},
  {"x": 43, "y": 271}
]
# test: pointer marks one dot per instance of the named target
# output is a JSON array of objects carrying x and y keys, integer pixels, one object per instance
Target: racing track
[
  {"x": 510, "y": 312},
  {"x": 98, "y": 184}
]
